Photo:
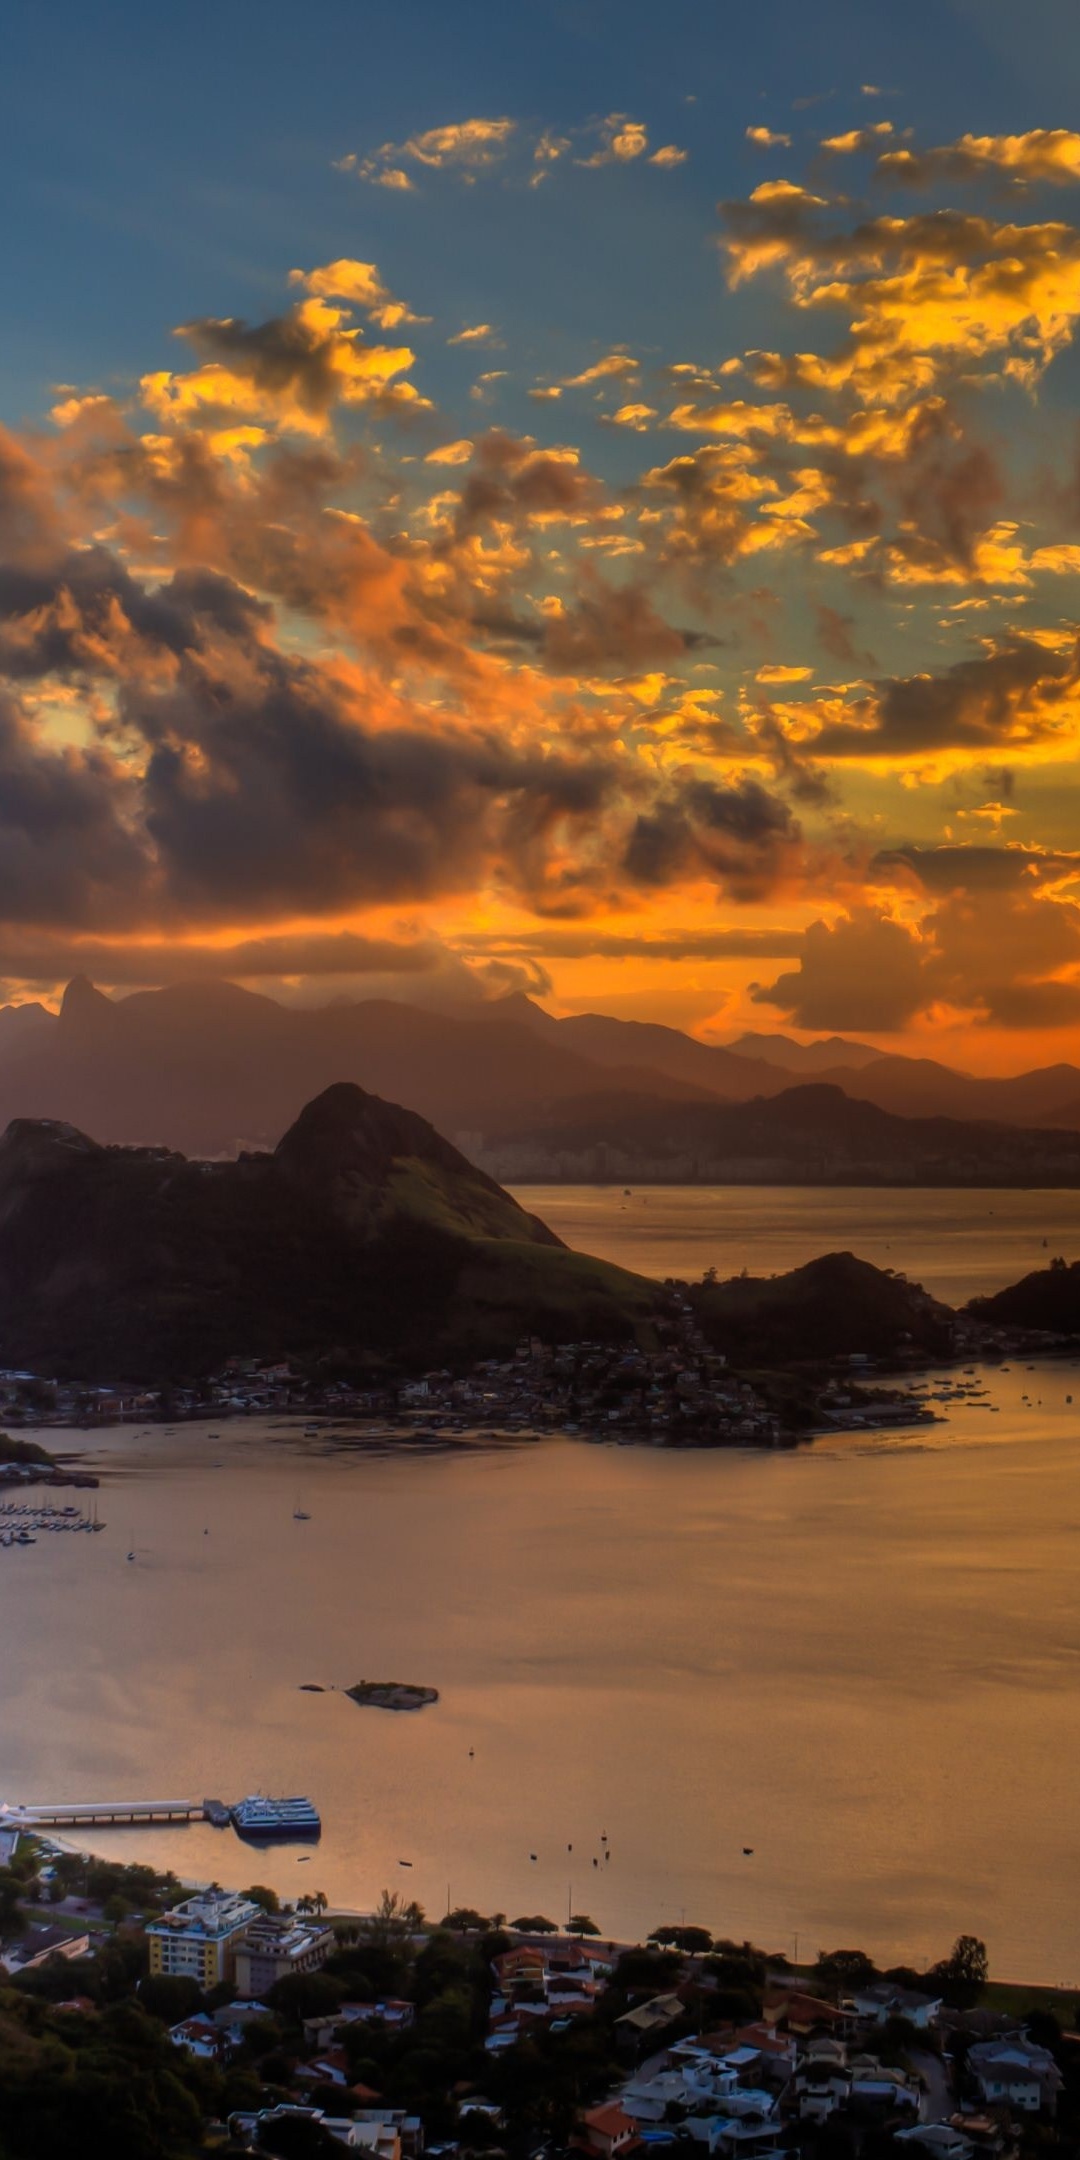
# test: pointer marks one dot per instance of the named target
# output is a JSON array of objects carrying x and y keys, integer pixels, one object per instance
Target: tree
[
  {"x": 170, "y": 1997},
  {"x": 302, "y": 1995},
  {"x": 394, "y": 1921},
  {"x": 534, "y": 1924},
  {"x": 12, "y": 1919},
  {"x": 844, "y": 1969},
  {"x": 694, "y": 1940},
  {"x": 267, "y": 1899},
  {"x": 465, "y": 1920},
  {"x": 579, "y": 1924},
  {"x": 667, "y": 1937},
  {"x": 964, "y": 1973}
]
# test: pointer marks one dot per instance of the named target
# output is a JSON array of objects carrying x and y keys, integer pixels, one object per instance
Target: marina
[{"x": 22, "y": 1523}]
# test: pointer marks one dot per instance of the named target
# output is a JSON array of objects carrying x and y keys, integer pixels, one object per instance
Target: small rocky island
[{"x": 392, "y": 1694}]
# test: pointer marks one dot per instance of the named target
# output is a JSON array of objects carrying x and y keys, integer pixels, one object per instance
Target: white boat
[{"x": 260, "y": 1817}]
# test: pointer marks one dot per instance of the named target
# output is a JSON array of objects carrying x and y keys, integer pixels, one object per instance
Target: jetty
[{"x": 88, "y": 1814}]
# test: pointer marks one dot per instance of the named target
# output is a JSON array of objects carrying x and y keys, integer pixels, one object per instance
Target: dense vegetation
[
  {"x": 829, "y": 1308},
  {"x": 1048, "y": 1299}
]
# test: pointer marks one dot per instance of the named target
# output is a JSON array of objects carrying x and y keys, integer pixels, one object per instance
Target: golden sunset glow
[{"x": 734, "y": 689}]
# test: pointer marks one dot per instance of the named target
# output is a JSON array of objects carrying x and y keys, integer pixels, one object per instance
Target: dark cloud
[
  {"x": 511, "y": 480},
  {"x": 70, "y": 851},
  {"x": 1014, "y": 695},
  {"x": 1007, "y": 957},
  {"x": 617, "y": 627},
  {"x": 84, "y": 615},
  {"x": 1031, "y": 1004},
  {"x": 949, "y": 495},
  {"x": 263, "y": 790},
  {"x": 834, "y": 635},
  {"x": 866, "y": 972},
  {"x": 972, "y": 868},
  {"x": 740, "y": 835}
]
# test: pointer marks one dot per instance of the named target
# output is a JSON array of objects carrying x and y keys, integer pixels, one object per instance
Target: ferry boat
[{"x": 261, "y": 1818}]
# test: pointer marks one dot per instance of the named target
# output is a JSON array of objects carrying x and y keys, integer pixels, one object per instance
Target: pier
[{"x": 88, "y": 1814}]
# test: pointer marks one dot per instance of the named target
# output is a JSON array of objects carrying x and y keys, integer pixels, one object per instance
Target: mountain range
[
  {"x": 813, "y": 1134},
  {"x": 211, "y": 1068}
]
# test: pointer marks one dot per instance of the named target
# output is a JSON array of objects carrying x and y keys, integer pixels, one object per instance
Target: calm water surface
[
  {"x": 958, "y": 1244},
  {"x": 861, "y": 1659}
]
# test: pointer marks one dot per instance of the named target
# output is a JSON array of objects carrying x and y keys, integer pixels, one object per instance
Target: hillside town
[
  {"x": 290, "y": 2030},
  {"x": 681, "y": 1392}
]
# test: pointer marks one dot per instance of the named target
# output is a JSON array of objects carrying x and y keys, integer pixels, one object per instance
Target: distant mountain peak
[
  {"x": 828, "y": 1052},
  {"x": 82, "y": 1000}
]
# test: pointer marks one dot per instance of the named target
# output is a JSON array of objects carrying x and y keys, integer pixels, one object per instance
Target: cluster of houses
[
  {"x": 748, "y": 2092},
  {"x": 680, "y": 1392},
  {"x": 762, "y": 2089}
]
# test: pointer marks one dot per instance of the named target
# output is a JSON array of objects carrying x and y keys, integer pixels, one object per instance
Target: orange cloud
[{"x": 1042, "y": 154}]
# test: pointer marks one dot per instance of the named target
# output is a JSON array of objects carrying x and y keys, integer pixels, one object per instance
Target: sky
[{"x": 580, "y": 498}]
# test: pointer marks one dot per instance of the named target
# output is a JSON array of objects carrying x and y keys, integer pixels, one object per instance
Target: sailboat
[{"x": 300, "y": 1514}]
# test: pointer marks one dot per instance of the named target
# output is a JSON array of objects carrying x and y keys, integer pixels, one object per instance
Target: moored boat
[{"x": 262, "y": 1818}]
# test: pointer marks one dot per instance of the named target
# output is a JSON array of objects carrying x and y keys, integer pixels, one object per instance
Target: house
[
  {"x": 200, "y": 2037},
  {"x": 938, "y": 2139},
  {"x": 329, "y": 2068},
  {"x": 320, "y": 2031},
  {"x": 523, "y": 1965},
  {"x": 875, "y": 2089},
  {"x": 881, "y": 2000},
  {"x": 646, "y": 2025},
  {"x": 609, "y": 2130},
  {"x": 379, "y": 2138},
  {"x": 39, "y": 1944},
  {"x": 820, "y": 2088},
  {"x": 408, "y": 2129},
  {"x": 733, "y": 2135},
  {"x": 799, "y": 2013},
  {"x": 246, "y": 2128},
  {"x": 1016, "y": 2071}
]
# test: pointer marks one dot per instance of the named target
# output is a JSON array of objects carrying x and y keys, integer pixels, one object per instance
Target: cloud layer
[{"x": 328, "y": 643}]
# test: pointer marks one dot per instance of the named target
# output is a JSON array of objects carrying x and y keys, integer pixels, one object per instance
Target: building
[
  {"x": 273, "y": 1946},
  {"x": 882, "y": 2001},
  {"x": 645, "y": 2026},
  {"x": 1017, "y": 2072},
  {"x": 198, "y": 1940},
  {"x": 609, "y": 2130},
  {"x": 200, "y": 2038},
  {"x": 39, "y": 1944}
]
